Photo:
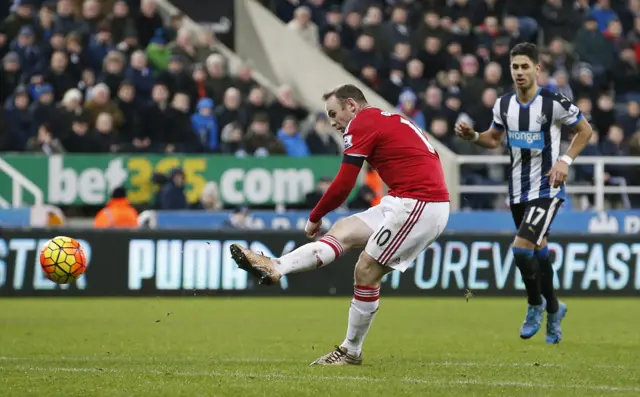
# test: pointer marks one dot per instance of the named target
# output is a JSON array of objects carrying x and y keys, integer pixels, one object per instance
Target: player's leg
[
  {"x": 537, "y": 217},
  {"x": 409, "y": 228},
  {"x": 523, "y": 249},
  {"x": 556, "y": 310},
  {"x": 348, "y": 233},
  {"x": 364, "y": 306}
]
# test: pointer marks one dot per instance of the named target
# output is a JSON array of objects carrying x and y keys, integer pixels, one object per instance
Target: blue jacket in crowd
[
  {"x": 294, "y": 145},
  {"x": 206, "y": 127}
]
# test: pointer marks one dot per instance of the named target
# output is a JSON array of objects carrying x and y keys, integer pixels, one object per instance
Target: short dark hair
[
  {"x": 345, "y": 92},
  {"x": 528, "y": 50}
]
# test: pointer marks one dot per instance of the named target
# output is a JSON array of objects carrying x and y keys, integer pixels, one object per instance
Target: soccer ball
[{"x": 63, "y": 260}]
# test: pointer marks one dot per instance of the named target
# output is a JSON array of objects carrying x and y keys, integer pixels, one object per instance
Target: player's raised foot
[
  {"x": 255, "y": 264},
  {"x": 554, "y": 331},
  {"x": 339, "y": 356},
  {"x": 533, "y": 320}
]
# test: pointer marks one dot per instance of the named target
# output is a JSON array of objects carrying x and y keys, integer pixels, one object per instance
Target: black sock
[
  {"x": 546, "y": 280},
  {"x": 528, "y": 266}
]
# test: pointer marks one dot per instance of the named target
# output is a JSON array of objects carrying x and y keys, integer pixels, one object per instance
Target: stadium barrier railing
[
  {"x": 198, "y": 263},
  {"x": 599, "y": 188}
]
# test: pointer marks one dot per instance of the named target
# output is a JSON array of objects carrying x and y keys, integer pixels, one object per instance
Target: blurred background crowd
[
  {"x": 441, "y": 61},
  {"x": 89, "y": 76}
]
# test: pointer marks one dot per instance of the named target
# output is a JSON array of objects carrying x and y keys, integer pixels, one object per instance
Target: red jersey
[{"x": 400, "y": 152}]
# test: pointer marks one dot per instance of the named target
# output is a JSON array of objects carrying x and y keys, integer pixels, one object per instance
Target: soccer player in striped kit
[{"x": 531, "y": 118}]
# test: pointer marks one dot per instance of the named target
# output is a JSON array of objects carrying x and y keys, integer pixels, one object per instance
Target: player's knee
[
  {"x": 350, "y": 233},
  {"x": 368, "y": 271}
]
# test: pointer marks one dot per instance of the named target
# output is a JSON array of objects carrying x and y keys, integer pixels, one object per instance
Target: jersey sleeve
[
  {"x": 566, "y": 112},
  {"x": 497, "y": 122},
  {"x": 359, "y": 141}
]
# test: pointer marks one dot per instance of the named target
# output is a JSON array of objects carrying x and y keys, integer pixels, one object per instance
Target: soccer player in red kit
[{"x": 413, "y": 214}]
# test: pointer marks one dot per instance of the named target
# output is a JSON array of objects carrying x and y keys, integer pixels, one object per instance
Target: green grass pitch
[{"x": 246, "y": 347}]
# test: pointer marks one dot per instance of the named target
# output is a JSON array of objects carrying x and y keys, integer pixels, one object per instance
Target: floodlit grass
[{"x": 245, "y": 347}]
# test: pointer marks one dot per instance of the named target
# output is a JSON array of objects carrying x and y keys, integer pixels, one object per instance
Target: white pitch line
[
  {"x": 288, "y": 377},
  {"x": 258, "y": 360}
]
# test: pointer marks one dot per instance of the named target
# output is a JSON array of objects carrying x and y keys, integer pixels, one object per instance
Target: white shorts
[{"x": 403, "y": 228}]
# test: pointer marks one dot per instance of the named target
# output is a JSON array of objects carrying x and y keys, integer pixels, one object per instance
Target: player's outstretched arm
[
  {"x": 491, "y": 138},
  {"x": 340, "y": 188}
]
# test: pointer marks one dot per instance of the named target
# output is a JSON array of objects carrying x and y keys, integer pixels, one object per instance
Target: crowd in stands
[
  {"x": 442, "y": 60},
  {"x": 98, "y": 76}
]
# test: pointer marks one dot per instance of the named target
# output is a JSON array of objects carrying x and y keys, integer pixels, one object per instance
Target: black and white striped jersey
[{"x": 533, "y": 138}]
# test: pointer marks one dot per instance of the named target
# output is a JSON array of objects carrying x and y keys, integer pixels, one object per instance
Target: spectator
[
  {"x": 78, "y": 61},
  {"x": 186, "y": 50},
  {"x": 66, "y": 22},
  {"x": 260, "y": 141},
  {"x": 332, "y": 47},
  {"x": 154, "y": 122},
  {"x": 91, "y": 15},
  {"x": 363, "y": 199},
  {"x": 561, "y": 84},
  {"x": 407, "y": 106},
  {"x": 172, "y": 195},
  {"x": 365, "y": 53},
  {"x": 140, "y": 75},
  {"x": 584, "y": 172},
  {"x": 180, "y": 137},
  {"x": 199, "y": 76},
  {"x": 44, "y": 142},
  {"x": 304, "y": 26},
  {"x": 69, "y": 109},
  {"x": 630, "y": 120},
  {"x": 472, "y": 85},
  {"x": 122, "y": 23},
  {"x": 10, "y": 75},
  {"x": 101, "y": 102},
  {"x": 18, "y": 120},
  {"x": 79, "y": 139},
  {"x": 625, "y": 77},
  {"x": 285, "y": 105},
  {"x": 231, "y": 108},
  {"x": 593, "y": 47},
  {"x": 99, "y": 46},
  {"x": 31, "y": 56},
  {"x": 126, "y": 103},
  {"x": 257, "y": 103},
  {"x": 320, "y": 140},
  {"x": 147, "y": 22},
  {"x": 313, "y": 197},
  {"x": 113, "y": 71},
  {"x": 218, "y": 81},
  {"x": 290, "y": 136},
  {"x": 59, "y": 75},
  {"x": 205, "y": 125},
  {"x": 351, "y": 29},
  {"x": 397, "y": 30},
  {"x": 560, "y": 57},
  {"x": 106, "y": 138},
  {"x": 209, "y": 198},
  {"x": 23, "y": 16},
  {"x": 118, "y": 213},
  {"x": 433, "y": 104},
  {"x": 557, "y": 21},
  {"x": 244, "y": 79},
  {"x": 46, "y": 19},
  {"x": 43, "y": 109},
  {"x": 176, "y": 77},
  {"x": 231, "y": 140},
  {"x": 603, "y": 14},
  {"x": 415, "y": 80}
]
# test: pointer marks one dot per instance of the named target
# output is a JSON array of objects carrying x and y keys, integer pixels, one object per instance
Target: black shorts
[{"x": 533, "y": 219}]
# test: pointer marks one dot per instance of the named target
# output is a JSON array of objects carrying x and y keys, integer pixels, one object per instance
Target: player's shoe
[
  {"x": 554, "y": 331},
  {"x": 339, "y": 356},
  {"x": 255, "y": 264},
  {"x": 533, "y": 320}
]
